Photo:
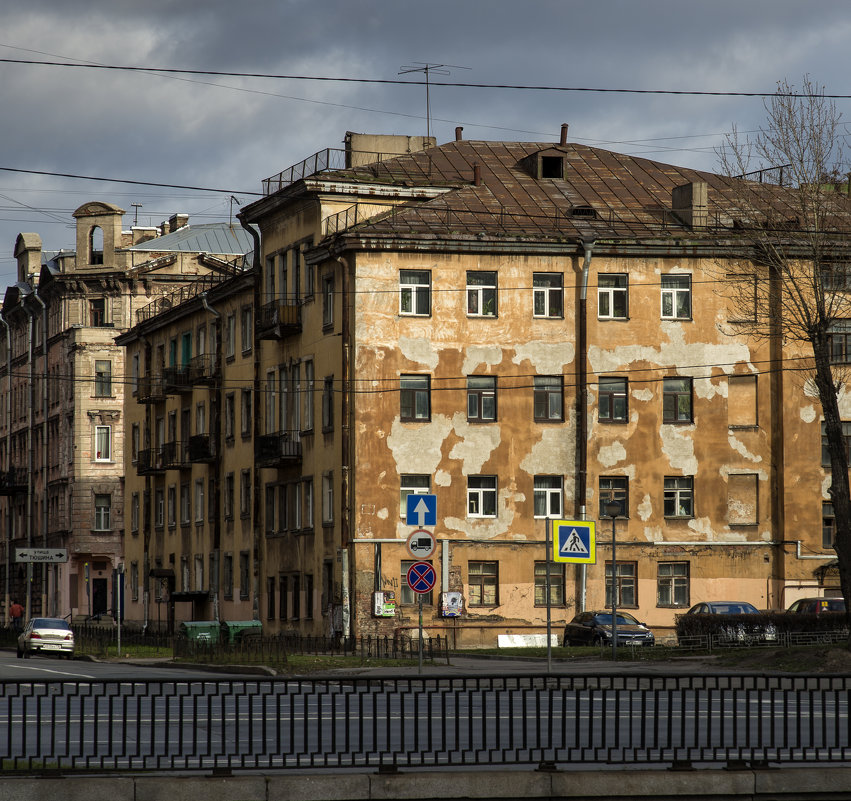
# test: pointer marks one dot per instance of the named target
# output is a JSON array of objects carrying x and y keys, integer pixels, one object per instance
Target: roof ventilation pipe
[
  {"x": 458, "y": 131},
  {"x": 477, "y": 174},
  {"x": 563, "y": 140}
]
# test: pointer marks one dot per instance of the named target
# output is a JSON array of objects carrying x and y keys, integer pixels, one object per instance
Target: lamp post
[{"x": 612, "y": 509}]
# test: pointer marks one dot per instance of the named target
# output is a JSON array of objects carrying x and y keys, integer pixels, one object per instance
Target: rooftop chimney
[
  {"x": 458, "y": 132},
  {"x": 690, "y": 204},
  {"x": 477, "y": 174},
  {"x": 177, "y": 221},
  {"x": 563, "y": 140}
]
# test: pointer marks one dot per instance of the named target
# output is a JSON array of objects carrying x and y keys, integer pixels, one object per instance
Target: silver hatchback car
[{"x": 48, "y": 635}]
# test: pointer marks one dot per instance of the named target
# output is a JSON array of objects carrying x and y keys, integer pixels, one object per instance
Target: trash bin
[
  {"x": 200, "y": 632},
  {"x": 233, "y": 631}
]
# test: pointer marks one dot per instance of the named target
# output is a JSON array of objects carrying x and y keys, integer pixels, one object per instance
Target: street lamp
[{"x": 613, "y": 508}]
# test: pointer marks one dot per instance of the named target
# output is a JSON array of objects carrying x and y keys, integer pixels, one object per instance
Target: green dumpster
[
  {"x": 200, "y": 632},
  {"x": 234, "y": 631}
]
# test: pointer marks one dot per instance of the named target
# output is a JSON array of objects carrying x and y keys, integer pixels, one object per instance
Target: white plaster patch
[
  {"x": 383, "y": 514},
  {"x": 844, "y": 401},
  {"x": 808, "y": 413},
  {"x": 702, "y": 525},
  {"x": 678, "y": 446},
  {"x": 645, "y": 508},
  {"x": 825, "y": 487},
  {"x": 548, "y": 453},
  {"x": 645, "y": 395},
  {"x": 480, "y": 354},
  {"x": 476, "y": 445},
  {"x": 547, "y": 358},
  {"x": 442, "y": 478},
  {"x": 416, "y": 449},
  {"x": 652, "y": 533},
  {"x": 420, "y": 350},
  {"x": 610, "y": 455},
  {"x": 739, "y": 446}
]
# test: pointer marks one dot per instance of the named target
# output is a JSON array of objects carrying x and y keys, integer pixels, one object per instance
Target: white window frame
[
  {"x": 327, "y": 498},
  {"x": 185, "y": 504},
  {"x": 678, "y": 285},
  {"x": 412, "y": 484},
  {"x": 480, "y": 294},
  {"x": 100, "y": 432},
  {"x": 610, "y": 293},
  {"x": 413, "y": 291},
  {"x": 103, "y": 512},
  {"x": 549, "y": 492},
  {"x": 544, "y": 293},
  {"x": 482, "y": 496},
  {"x": 199, "y": 500}
]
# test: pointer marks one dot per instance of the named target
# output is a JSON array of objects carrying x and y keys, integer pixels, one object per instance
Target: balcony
[
  {"x": 13, "y": 481},
  {"x": 202, "y": 368},
  {"x": 279, "y": 319},
  {"x": 176, "y": 380},
  {"x": 202, "y": 448},
  {"x": 149, "y": 462},
  {"x": 174, "y": 456},
  {"x": 150, "y": 389},
  {"x": 278, "y": 450}
]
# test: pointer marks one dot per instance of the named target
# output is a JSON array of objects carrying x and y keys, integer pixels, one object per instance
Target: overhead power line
[{"x": 457, "y": 84}]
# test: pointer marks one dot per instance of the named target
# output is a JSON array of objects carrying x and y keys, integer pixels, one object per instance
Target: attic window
[
  {"x": 583, "y": 211},
  {"x": 552, "y": 167}
]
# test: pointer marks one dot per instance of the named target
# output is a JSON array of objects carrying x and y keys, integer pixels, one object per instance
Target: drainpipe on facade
[
  {"x": 582, "y": 404},
  {"x": 346, "y": 414},
  {"x": 45, "y": 568},
  {"x": 30, "y": 491},
  {"x": 9, "y": 470}
]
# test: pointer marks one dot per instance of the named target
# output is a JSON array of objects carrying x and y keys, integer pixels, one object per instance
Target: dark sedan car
[
  {"x": 815, "y": 606},
  {"x": 595, "y": 628},
  {"x": 737, "y": 632}
]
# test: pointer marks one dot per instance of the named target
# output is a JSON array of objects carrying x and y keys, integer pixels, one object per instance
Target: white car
[{"x": 48, "y": 635}]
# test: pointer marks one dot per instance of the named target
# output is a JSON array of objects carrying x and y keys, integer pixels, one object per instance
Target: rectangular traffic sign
[
  {"x": 49, "y": 555},
  {"x": 574, "y": 541},
  {"x": 421, "y": 510}
]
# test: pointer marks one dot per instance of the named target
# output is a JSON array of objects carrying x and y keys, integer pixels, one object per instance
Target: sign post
[{"x": 420, "y": 578}]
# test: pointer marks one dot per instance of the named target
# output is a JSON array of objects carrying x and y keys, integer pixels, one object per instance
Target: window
[
  {"x": 246, "y": 329},
  {"x": 282, "y": 595},
  {"x": 415, "y": 292},
  {"x": 230, "y": 336},
  {"x": 201, "y": 418},
  {"x": 270, "y": 598},
  {"x": 308, "y": 596},
  {"x": 627, "y": 585},
  {"x": 307, "y": 496},
  {"x": 676, "y": 297},
  {"x": 103, "y": 379},
  {"x": 836, "y": 277},
  {"x": 227, "y": 575},
  {"x": 614, "y": 488},
  {"x": 245, "y": 493},
  {"x": 244, "y": 575},
  {"x": 481, "y": 399},
  {"x": 556, "y": 584},
  {"x": 612, "y": 406},
  {"x": 548, "y": 398},
  {"x": 159, "y": 507},
  {"x": 676, "y": 400},
  {"x": 548, "y": 495},
  {"x": 828, "y": 525},
  {"x": 96, "y": 245},
  {"x": 328, "y": 301},
  {"x": 328, "y": 404},
  {"x": 171, "y": 505},
  {"x": 547, "y": 295},
  {"x": 742, "y": 401},
  {"x": 846, "y": 436},
  {"x": 185, "y": 504},
  {"x": 134, "y": 442},
  {"x": 199, "y": 500},
  {"x": 839, "y": 339},
  {"x": 407, "y": 595},
  {"x": 328, "y": 499},
  {"x": 245, "y": 413},
  {"x": 411, "y": 484},
  {"x": 103, "y": 507},
  {"x": 672, "y": 584},
  {"x": 134, "y": 581},
  {"x": 483, "y": 581},
  {"x": 307, "y": 424},
  {"x": 415, "y": 398},
  {"x": 230, "y": 415},
  {"x": 481, "y": 496},
  {"x": 228, "y": 499},
  {"x": 97, "y": 312},
  {"x": 742, "y": 499},
  {"x": 103, "y": 443},
  {"x": 481, "y": 294},
  {"x": 134, "y": 512},
  {"x": 296, "y": 597},
  {"x": 612, "y": 297},
  {"x": 679, "y": 496}
]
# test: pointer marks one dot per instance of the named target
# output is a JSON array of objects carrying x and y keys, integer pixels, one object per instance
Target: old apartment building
[
  {"x": 62, "y": 419},
  {"x": 526, "y": 331}
]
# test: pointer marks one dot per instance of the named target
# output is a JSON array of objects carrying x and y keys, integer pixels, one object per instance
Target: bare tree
[{"x": 793, "y": 277}]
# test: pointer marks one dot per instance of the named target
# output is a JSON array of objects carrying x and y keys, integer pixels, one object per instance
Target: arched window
[{"x": 96, "y": 245}]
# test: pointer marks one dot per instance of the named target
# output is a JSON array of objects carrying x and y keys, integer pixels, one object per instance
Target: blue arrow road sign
[
  {"x": 421, "y": 510},
  {"x": 421, "y": 577}
]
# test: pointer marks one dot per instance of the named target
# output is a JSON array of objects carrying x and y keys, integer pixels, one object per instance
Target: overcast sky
[{"x": 228, "y": 133}]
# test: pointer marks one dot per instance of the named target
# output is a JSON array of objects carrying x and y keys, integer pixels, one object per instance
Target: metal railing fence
[{"x": 436, "y": 721}]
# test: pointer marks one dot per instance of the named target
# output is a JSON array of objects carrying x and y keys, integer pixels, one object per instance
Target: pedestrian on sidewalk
[{"x": 16, "y": 613}]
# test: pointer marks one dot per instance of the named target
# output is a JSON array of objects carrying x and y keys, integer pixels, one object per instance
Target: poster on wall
[{"x": 451, "y": 604}]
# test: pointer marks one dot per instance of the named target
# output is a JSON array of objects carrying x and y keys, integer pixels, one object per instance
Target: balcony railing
[
  {"x": 278, "y": 450},
  {"x": 174, "y": 455},
  {"x": 150, "y": 461},
  {"x": 202, "y": 368},
  {"x": 202, "y": 448},
  {"x": 278, "y": 319},
  {"x": 13, "y": 481},
  {"x": 150, "y": 389},
  {"x": 176, "y": 380}
]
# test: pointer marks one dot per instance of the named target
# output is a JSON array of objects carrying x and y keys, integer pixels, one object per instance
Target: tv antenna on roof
[{"x": 428, "y": 68}]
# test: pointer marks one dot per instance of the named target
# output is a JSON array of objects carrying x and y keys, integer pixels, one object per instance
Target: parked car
[
  {"x": 739, "y": 632},
  {"x": 47, "y": 635},
  {"x": 814, "y": 606},
  {"x": 595, "y": 628}
]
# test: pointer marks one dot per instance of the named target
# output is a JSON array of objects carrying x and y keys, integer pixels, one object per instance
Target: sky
[{"x": 224, "y": 134}]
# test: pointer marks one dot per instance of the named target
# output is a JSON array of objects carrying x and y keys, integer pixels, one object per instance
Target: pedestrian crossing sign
[{"x": 574, "y": 541}]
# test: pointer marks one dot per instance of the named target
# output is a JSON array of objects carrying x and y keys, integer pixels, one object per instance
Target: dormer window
[
  {"x": 583, "y": 211},
  {"x": 552, "y": 167}
]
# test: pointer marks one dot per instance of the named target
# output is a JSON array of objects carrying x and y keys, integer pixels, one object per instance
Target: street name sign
[
  {"x": 48, "y": 555},
  {"x": 574, "y": 541}
]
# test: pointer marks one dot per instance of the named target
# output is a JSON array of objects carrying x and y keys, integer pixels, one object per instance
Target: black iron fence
[{"x": 355, "y": 722}]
